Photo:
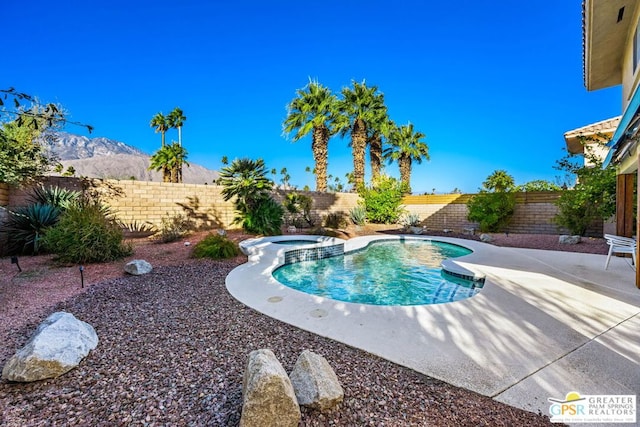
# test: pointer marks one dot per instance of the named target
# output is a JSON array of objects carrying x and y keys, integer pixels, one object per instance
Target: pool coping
[{"x": 513, "y": 341}]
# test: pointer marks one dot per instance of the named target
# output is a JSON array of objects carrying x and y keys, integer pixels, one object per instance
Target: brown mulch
[{"x": 174, "y": 343}]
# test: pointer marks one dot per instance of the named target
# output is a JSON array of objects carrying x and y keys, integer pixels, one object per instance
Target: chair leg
[{"x": 606, "y": 265}]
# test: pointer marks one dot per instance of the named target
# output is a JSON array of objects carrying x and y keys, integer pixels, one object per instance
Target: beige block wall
[{"x": 143, "y": 201}]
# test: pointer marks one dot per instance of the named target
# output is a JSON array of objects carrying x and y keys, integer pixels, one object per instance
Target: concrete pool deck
[{"x": 545, "y": 323}]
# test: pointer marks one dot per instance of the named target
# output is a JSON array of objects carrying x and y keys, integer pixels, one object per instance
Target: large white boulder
[
  {"x": 58, "y": 345},
  {"x": 138, "y": 267},
  {"x": 315, "y": 383},
  {"x": 267, "y": 393}
]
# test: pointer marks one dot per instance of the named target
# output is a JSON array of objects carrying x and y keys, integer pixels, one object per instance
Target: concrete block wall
[{"x": 143, "y": 201}]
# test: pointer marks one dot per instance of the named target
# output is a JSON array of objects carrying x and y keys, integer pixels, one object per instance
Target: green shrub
[
  {"x": 216, "y": 247},
  {"x": 173, "y": 228},
  {"x": 265, "y": 218},
  {"x": 492, "y": 211},
  {"x": 493, "y": 207},
  {"x": 84, "y": 234},
  {"x": 25, "y": 227},
  {"x": 335, "y": 220},
  {"x": 575, "y": 212},
  {"x": 299, "y": 208},
  {"x": 383, "y": 199},
  {"x": 358, "y": 215}
]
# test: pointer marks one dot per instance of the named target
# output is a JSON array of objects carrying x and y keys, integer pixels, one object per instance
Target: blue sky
[{"x": 493, "y": 85}]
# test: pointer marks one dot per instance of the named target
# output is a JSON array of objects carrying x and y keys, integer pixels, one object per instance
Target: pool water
[
  {"x": 405, "y": 272},
  {"x": 295, "y": 242}
]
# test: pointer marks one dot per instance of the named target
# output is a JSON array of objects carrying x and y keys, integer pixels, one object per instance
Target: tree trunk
[
  {"x": 375, "y": 155},
  {"x": 180, "y": 135},
  {"x": 162, "y": 133},
  {"x": 319, "y": 146},
  {"x": 404, "y": 164},
  {"x": 166, "y": 174},
  {"x": 358, "y": 147}
]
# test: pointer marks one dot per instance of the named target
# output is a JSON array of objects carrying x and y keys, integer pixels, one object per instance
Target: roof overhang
[
  {"x": 602, "y": 131},
  {"x": 605, "y": 26}
]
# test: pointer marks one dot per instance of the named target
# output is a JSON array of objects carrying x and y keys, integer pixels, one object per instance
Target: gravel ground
[{"x": 173, "y": 347}]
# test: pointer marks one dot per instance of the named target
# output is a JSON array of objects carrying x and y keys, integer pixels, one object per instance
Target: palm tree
[
  {"x": 406, "y": 146},
  {"x": 177, "y": 155},
  {"x": 359, "y": 108},
  {"x": 380, "y": 128},
  {"x": 246, "y": 180},
  {"x": 313, "y": 110},
  {"x": 160, "y": 122},
  {"x": 176, "y": 119},
  {"x": 160, "y": 162}
]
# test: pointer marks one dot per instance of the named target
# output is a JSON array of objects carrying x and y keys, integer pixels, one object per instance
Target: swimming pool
[{"x": 396, "y": 272}]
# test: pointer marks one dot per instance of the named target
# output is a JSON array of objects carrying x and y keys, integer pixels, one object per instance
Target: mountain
[{"x": 105, "y": 158}]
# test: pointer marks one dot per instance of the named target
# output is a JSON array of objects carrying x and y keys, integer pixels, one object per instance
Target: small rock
[
  {"x": 486, "y": 238},
  {"x": 58, "y": 345},
  {"x": 138, "y": 267},
  {"x": 187, "y": 243},
  {"x": 222, "y": 232},
  {"x": 315, "y": 383},
  {"x": 267, "y": 393},
  {"x": 292, "y": 229},
  {"x": 569, "y": 240}
]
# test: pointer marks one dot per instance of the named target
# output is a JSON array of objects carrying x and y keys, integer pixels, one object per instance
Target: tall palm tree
[
  {"x": 313, "y": 110},
  {"x": 176, "y": 119},
  {"x": 359, "y": 108},
  {"x": 406, "y": 146},
  {"x": 380, "y": 128},
  {"x": 160, "y": 122}
]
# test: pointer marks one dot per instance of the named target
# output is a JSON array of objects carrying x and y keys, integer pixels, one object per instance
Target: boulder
[
  {"x": 569, "y": 240},
  {"x": 58, "y": 345},
  {"x": 138, "y": 267},
  {"x": 486, "y": 238},
  {"x": 315, "y": 383},
  {"x": 267, "y": 393}
]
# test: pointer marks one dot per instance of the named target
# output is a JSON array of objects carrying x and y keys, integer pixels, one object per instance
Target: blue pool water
[
  {"x": 405, "y": 272},
  {"x": 295, "y": 242}
]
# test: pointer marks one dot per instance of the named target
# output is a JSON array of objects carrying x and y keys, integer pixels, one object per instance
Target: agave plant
[
  {"x": 54, "y": 196},
  {"x": 358, "y": 215},
  {"x": 25, "y": 227}
]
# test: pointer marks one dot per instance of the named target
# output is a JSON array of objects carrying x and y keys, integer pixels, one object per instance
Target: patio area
[{"x": 546, "y": 323}]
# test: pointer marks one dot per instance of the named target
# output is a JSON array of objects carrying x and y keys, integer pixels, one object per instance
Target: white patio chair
[{"x": 620, "y": 245}]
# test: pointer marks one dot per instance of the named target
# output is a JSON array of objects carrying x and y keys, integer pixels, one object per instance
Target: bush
[
  {"x": 492, "y": 211},
  {"x": 215, "y": 247},
  {"x": 383, "y": 199},
  {"x": 575, "y": 212},
  {"x": 265, "y": 218},
  {"x": 493, "y": 207},
  {"x": 335, "y": 220},
  {"x": 84, "y": 234},
  {"x": 410, "y": 220},
  {"x": 25, "y": 227},
  {"x": 358, "y": 215},
  {"x": 173, "y": 228},
  {"x": 299, "y": 207}
]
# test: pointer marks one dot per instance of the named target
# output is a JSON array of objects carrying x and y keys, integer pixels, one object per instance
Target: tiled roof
[{"x": 604, "y": 126}]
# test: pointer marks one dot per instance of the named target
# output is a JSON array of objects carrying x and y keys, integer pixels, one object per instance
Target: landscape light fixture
[
  {"x": 81, "y": 276},
  {"x": 14, "y": 260}
]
